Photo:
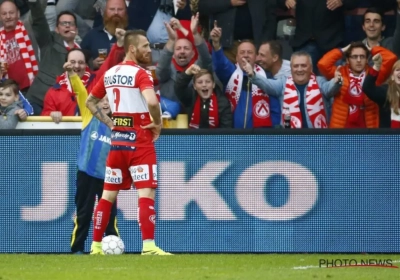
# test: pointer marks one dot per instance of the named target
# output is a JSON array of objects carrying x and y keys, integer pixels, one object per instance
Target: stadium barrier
[
  {"x": 247, "y": 191},
  {"x": 75, "y": 122}
]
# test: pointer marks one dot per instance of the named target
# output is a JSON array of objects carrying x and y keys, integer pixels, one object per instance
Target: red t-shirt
[{"x": 16, "y": 65}]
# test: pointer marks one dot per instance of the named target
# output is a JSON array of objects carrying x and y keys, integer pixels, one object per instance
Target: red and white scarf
[
  {"x": 395, "y": 120},
  {"x": 25, "y": 48},
  {"x": 213, "y": 119},
  {"x": 63, "y": 80},
  {"x": 314, "y": 104},
  {"x": 76, "y": 46},
  {"x": 260, "y": 99},
  {"x": 355, "y": 98}
]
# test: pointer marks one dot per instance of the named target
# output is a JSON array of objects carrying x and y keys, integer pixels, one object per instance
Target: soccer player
[
  {"x": 95, "y": 142},
  {"x": 132, "y": 158}
]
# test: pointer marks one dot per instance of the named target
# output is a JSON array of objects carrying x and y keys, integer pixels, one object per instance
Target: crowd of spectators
[{"x": 224, "y": 63}]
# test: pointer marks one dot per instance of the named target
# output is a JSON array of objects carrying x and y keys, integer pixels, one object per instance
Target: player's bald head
[{"x": 132, "y": 38}]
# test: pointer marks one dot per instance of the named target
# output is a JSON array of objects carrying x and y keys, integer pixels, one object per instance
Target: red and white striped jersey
[{"x": 123, "y": 84}]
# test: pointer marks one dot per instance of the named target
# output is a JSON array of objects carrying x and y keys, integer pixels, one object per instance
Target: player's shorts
[{"x": 127, "y": 166}]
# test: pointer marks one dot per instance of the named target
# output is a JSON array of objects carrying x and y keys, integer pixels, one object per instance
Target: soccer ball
[{"x": 112, "y": 245}]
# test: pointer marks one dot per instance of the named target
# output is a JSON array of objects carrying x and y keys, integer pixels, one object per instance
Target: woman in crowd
[{"x": 385, "y": 96}]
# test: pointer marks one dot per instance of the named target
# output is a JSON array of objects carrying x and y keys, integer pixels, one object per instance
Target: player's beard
[
  {"x": 114, "y": 22},
  {"x": 144, "y": 60}
]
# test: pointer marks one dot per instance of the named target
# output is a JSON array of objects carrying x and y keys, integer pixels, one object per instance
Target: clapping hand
[{"x": 194, "y": 23}]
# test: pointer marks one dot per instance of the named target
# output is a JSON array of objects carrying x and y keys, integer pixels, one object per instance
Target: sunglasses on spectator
[{"x": 67, "y": 23}]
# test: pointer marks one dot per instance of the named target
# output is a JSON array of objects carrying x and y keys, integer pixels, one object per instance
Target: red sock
[
  {"x": 101, "y": 218},
  {"x": 147, "y": 217}
]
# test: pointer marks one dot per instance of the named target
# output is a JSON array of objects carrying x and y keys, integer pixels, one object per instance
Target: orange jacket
[{"x": 340, "y": 109}]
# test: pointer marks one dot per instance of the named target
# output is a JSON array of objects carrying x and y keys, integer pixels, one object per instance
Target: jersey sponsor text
[{"x": 118, "y": 80}]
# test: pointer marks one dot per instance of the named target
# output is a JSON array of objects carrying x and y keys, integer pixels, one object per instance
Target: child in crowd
[
  {"x": 208, "y": 107},
  {"x": 9, "y": 104}
]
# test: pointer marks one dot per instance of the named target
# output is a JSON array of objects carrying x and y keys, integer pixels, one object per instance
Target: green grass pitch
[{"x": 189, "y": 266}]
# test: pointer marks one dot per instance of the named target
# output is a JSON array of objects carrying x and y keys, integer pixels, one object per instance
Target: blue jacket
[{"x": 224, "y": 70}]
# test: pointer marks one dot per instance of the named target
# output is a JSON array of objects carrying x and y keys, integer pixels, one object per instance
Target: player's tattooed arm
[{"x": 92, "y": 103}]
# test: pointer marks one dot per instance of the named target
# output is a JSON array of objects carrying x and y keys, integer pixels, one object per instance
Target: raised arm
[
  {"x": 326, "y": 65},
  {"x": 375, "y": 93},
  {"x": 270, "y": 86},
  {"x": 79, "y": 89},
  {"x": 204, "y": 61},
  {"x": 388, "y": 60},
  {"x": 115, "y": 56},
  {"x": 163, "y": 70},
  {"x": 39, "y": 24},
  {"x": 222, "y": 66}
]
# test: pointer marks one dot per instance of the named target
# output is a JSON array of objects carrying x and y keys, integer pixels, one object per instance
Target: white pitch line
[
  {"x": 305, "y": 267},
  {"x": 315, "y": 266}
]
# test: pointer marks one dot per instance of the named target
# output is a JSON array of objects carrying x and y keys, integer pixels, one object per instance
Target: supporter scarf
[
  {"x": 314, "y": 104},
  {"x": 64, "y": 82},
  {"x": 355, "y": 98},
  {"x": 260, "y": 100},
  {"x": 76, "y": 46},
  {"x": 213, "y": 118},
  {"x": 25, "y": 48},
  {"x": 395, "y": 123}
]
